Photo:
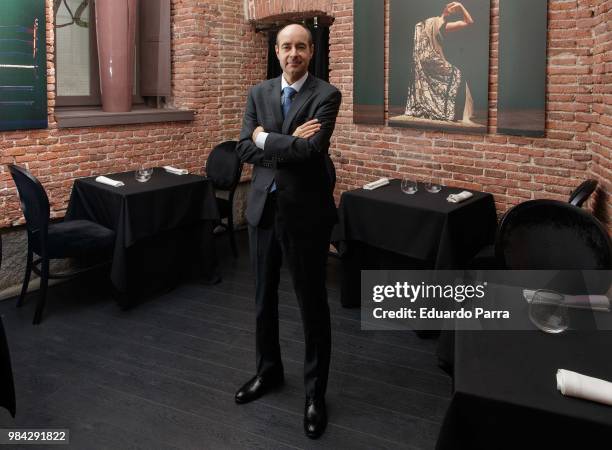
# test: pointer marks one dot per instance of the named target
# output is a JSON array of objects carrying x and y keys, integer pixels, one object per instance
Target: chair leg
[
  {"x": 230, "y": 229},
  {"x": 26, "y": 278},
  {"x": 44, "y": 282}
]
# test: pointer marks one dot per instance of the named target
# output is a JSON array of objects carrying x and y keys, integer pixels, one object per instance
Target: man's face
[{"x": 294, "y": 52}]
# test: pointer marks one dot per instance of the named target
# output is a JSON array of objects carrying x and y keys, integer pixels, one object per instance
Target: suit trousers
[{"x": 305, "y": 256}]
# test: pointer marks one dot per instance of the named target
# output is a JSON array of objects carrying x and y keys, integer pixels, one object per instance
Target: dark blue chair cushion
[{"x": 76, "y": 238}]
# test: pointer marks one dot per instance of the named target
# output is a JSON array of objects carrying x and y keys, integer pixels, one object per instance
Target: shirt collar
[{"x": 297, "y": 85}]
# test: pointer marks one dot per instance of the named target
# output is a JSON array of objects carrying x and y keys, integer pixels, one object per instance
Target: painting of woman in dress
[{"x": 439, "y": 85}]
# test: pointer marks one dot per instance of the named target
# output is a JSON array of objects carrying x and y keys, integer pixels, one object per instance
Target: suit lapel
[
  {"x": 298, "y": 101},
  {"x": 274, "y": 96}
]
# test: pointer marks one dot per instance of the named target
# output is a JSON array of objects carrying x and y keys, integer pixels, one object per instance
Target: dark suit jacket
[{"x": 299, "y": 166}]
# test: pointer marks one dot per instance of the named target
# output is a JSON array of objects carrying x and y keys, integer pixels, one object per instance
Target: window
[
  {"x": 76, "y": 55},
  {"x": 76, "y": 65},
  {"x": 76, "y": 58}
]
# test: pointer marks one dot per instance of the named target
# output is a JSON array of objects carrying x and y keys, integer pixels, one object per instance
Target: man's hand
[
  {"x": 307, "y": 129},
  {"x": 257, "y": 130}
]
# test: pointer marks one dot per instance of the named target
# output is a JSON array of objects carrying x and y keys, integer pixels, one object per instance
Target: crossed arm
[
  {"x": 306, "y": 130},
  {"x": 309, "y": 139}
]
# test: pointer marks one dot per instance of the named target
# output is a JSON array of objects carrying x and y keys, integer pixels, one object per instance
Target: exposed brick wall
[
  {"x": 600, "y": 145},
  {"x": 514, "y": 169},
  {"x": 216, "y": 56}
]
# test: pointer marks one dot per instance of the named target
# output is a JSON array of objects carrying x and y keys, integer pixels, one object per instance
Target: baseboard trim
[{"x": 12, "y": 292}]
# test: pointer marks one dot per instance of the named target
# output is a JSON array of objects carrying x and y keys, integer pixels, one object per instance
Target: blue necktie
[{"x": 286, "y": 99}]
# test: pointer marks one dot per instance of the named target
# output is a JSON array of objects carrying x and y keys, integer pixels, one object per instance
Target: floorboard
[{"x": 163, "y": 373}]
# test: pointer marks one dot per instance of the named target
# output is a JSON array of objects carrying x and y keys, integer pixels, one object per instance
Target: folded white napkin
[
  {"x": 176, "y": 171},
  {"x": 376, "y": 184},
  {"x": 458, "y": 198},
  {"x": 592, "y": 302},
  {"x": 577, "y": 385},
  {"x": 109, "y": 181}
]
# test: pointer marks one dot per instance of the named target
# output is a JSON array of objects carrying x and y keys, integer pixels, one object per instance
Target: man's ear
[{"x": 276, "y": 49}]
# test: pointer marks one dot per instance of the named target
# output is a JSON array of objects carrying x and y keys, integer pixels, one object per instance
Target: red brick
[{"x": 217, "y": 56}]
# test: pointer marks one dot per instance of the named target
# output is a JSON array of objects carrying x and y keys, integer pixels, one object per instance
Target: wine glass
[
  {"x": 433, "y": 185},
  {"x": 409, "y": 186},
  {"x": 143, "y": 174},
  {"x": 548, "y": 312}
]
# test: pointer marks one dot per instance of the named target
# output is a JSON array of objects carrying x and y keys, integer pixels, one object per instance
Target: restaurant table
[
  {"x": 506, "y": 397},
  {"x": 7, "y": 387},
  {"x": 504, "y": 376},
  {"x": 387, "y": 229},
  {"x": 163, "y": 227}
]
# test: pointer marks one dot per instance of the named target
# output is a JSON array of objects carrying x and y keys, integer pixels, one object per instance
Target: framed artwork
[
  {"x": 439, "y": 65},
  {"x": 23, "y": 65},
  {"x": 369, "y": 61},
  {"x": 521, "y": 88}
]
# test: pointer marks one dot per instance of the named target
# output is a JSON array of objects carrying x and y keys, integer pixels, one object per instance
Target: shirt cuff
[{"x": 260, "y": 140}]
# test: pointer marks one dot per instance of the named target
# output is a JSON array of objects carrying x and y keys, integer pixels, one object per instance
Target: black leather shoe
[
  {"x": 258, "y": 386},
  {"x": 315, "y": 417}
]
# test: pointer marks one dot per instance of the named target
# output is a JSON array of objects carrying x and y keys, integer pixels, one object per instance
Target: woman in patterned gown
[{"x": 433, "y": 94}]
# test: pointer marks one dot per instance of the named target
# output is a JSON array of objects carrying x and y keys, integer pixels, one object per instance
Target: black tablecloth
[
  {"x": 506, "y": 397},
  {"x": 7, "y": 387},
  {"x": 422, "y": 229},
  {"x": 158, "y": 224}
]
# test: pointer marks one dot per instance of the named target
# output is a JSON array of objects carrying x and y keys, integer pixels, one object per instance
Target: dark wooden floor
[{"x": 163, "y": 374}]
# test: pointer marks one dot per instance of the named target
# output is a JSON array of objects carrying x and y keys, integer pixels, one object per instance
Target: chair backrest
[
  {"x": 549, "y": 234},
  {"x": 223, "y": 166},
  {"x": 34, "y": 200},
  {"x": 582, "y": 192}
]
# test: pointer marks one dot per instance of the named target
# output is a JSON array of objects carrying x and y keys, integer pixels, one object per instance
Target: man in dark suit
[{"x": 286, "y": 130}]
